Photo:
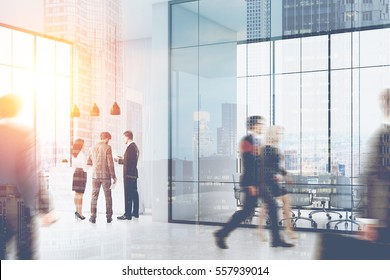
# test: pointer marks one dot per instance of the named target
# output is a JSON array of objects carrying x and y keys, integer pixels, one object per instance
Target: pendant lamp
[
  {"x": 95, "y": 112},
  {"x": 115, "y": 109},
  {"x": 75, "y": 112}
]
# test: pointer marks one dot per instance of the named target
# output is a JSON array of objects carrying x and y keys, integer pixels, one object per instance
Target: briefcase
[{"x": 342, "y": 247}]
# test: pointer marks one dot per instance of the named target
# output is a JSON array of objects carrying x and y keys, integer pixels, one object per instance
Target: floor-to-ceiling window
[
  {"x": 322, "y": 87},
  {"x": 38, "y": 69}
]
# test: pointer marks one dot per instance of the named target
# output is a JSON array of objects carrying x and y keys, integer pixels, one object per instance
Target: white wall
[
  {"x": 25, "y": 14},
  {"x": 156, "y": 108}
]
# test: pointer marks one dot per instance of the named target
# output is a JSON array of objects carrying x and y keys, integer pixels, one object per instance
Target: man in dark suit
[
  {"x": 252, "y": 185},
  {"x": 130, "y": 176}
]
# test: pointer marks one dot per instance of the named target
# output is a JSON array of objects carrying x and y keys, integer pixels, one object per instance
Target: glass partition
[{"x": 319, "y": 81}]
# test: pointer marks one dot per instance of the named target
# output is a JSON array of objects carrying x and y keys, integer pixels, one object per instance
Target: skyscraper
[
  {"x": 95, "y": 29},
  {"x": 321, "y": 16},
  {"x": 227, "y": 134},
  {"x": 258, "y": 19},
  {"x": 202, "y": 139}
]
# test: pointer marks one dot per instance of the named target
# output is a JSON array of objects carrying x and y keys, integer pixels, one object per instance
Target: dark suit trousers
[
  {"x": 249, "y": 207},
  {"x": 131, "y": 198},
  {"x": 20, "y": 227},
  {"x": 266, "y": 195}
]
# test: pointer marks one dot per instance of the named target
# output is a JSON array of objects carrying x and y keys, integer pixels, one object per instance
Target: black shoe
[
  {"x": 135, "y": 216},
  {"x": 282, "y": 243},
  {"x": 123, "y": 217},
  {"x": 220, "y": 240},
  {"x": 78, "y": 216},
  {"x": 109, "y": 220},
  {"x": 92, "y": 220}
]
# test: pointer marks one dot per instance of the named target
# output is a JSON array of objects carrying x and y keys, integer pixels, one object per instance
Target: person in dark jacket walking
[{"x": 251, "y": 183}]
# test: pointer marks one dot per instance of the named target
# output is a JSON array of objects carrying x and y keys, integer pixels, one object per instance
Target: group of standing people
[
  {"x": 103, "y": 176},
  {"x": 260, "y": 179}
]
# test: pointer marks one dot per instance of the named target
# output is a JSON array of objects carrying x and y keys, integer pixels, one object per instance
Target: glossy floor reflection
[{"x": 142, "y": 238}]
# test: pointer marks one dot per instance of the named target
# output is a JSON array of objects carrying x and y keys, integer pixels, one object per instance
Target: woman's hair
[
  {"x": 271, "y": 134},
  {"x": 77, "y": 146}
]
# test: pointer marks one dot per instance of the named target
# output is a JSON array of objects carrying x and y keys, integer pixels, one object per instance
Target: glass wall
[
  {"x": 322, "y": 88},
  {"x": 38, "y": 69}
]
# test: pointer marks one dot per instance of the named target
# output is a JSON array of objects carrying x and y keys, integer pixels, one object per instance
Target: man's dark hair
[
  {"x": 128, "y": 134},
  {"x": 253, "y": 120}
]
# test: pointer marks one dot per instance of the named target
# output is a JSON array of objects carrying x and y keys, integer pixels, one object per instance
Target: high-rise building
[
  {"x": 291, "y": 160},
  {"x": 95, "y": 29},
  {"x": 227, "y": 134},
  {"x": 258, "y": 19},
  {"x": 309, "y": 16},
  {"x": 318, "y": 16},
  {"x": 202, "y": 139}
]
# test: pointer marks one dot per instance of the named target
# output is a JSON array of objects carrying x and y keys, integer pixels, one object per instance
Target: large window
[
  {"x": 39, "y": 70},
  {"x": 322, "y": 88}
]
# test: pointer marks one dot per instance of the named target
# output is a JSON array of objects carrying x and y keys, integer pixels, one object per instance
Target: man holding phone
[{"x": 130, "y": 176}]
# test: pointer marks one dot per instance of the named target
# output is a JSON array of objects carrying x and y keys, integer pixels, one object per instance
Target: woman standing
[{"x": 79, "y": 162}]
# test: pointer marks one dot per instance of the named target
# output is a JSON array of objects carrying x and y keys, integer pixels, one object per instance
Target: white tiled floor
[
  {"x": 140, "y": 239},
  {"x": 69, "y": 239}
]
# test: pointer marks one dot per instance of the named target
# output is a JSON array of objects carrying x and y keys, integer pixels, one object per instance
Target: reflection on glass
[
  {"x": 184, "y": 27},
  {"x": 184, "y": 92},
  {"x": 216, "y": 201},
  {"x": 185, "y": 201},
  {"x": 217, "y": 128},
  {"x": 216, "y": 24},
  {"x": 286, "y": 80}
]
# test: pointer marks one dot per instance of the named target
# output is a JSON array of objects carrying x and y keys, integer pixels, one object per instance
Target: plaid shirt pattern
[{"x": 100, "y": 157}]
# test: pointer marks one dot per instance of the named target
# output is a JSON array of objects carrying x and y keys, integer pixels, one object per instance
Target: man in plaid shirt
[{"x": 103, "y": 171}]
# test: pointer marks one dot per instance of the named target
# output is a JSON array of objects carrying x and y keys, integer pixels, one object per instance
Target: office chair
[
  {"x": 298, "y": 201},
  {"x": 323, "y": 195},
  {"x": 343, "y": 198}
]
